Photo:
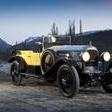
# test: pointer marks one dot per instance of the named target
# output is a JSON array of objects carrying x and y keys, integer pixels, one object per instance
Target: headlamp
[
  {"x": 86, "y": 56},
  {"x": 106, "y": 56}
]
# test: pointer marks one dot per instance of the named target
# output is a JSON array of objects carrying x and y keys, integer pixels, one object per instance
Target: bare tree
[
  {"x": 73, "y": 28},
  {"x": 70, "y": 28},
  {"x": 15, "y": 48},
  {"x": 54, "y": 29},
  {"x": 80, "y": 26}
]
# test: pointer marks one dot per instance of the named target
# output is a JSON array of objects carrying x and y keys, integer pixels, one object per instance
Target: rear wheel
[
  {"x": 68, "y": 80},
  {"x": 108, "y": 88},
  {"x": 15, "y": 73}
]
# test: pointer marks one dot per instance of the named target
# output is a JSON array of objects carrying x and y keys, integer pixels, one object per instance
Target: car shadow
[
  {"x": 91, "y": 90},
  {"x": 33, "y": 82}
]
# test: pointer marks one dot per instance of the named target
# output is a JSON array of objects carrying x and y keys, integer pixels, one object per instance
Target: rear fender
[
  {"x": 11, "y": 59},
  {"x": 20, "y": 60},
  {"x": 15, "y": 58}
]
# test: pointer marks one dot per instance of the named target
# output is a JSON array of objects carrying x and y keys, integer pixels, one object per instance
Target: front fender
[
  {"x": 52, "y": 73},
  {"x": 108, "y": 65},
  {"x": 104, "y": 66}
]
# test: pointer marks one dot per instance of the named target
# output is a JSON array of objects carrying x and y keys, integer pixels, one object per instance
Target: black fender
[
  {"x": 52, "y": 73},
  {"x": 108, "y": 66},
  {"x": 11, "y": 59},
  {"x": 15, "y": 58},
  {"x": 20, "y": 60},
  {"x": 104, "y": 67}
]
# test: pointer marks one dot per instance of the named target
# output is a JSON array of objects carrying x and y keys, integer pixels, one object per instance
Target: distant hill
[
  {"x": 28, "y": 44},
  {"x": 101, "y": 39},
  {"x": 4, "y": 47}
]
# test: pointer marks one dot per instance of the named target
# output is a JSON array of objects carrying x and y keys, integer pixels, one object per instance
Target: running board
[{"x": 32, "y": 75}]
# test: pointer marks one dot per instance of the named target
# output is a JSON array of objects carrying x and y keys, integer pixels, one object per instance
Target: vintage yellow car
[{"x": 71, "y": 66}]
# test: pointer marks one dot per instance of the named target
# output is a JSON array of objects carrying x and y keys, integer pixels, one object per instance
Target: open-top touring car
[{"x": 71, "y": 66}]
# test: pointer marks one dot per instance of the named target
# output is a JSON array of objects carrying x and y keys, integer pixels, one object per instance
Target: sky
[{"x": 20, "y": 19}]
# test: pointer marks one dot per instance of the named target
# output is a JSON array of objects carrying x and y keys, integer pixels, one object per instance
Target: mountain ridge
[
  {"x": 4, "y": 45},
  {"x": 100, "y": 39}
]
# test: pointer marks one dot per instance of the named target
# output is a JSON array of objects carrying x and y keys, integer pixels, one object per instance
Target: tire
[
  {"x": 68, "y": 80},
  {"x": 107, "y": 88},
  {"x": 107, "y": 83},
  {"x": 47, "y": 61},
  {"x": 15, "y": 73}
]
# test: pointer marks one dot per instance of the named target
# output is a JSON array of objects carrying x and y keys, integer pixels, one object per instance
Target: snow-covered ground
[
  {"x": 41, "y": 97},
  {"x": 5, "y": 67}
]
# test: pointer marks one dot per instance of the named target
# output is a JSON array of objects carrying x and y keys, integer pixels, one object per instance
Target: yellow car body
[{"x": 30, "y": 57}]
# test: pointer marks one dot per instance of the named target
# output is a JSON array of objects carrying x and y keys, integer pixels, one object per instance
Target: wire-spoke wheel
[
  {"x": 107, "y": 87},
  {"x": 68, "y": 80},
  {"x": 107, "y": 84},
  {"x": 15, "y": 73}
]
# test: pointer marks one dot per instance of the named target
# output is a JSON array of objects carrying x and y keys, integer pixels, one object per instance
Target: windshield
[{"x": 60, "y": 40}]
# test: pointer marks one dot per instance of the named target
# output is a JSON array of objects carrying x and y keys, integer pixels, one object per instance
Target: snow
[
  {"x": 5, "y": 67},
  {"x": 30, "y": 39},
  {"x": 88, "y": 33}
]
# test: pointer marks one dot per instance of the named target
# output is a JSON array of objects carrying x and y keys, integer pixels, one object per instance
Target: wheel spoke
[
  {"x": 66, "y": 81},
  {"x": 16, "y": 77}
]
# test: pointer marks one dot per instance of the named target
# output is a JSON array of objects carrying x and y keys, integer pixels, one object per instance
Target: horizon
[
  {"x": 21, "y": 19},
  {"x": 91, "y": 32}
]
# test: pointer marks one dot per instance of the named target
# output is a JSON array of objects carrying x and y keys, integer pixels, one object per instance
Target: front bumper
[
  {"x": 91, "y": 70},
  {"x": 100, "y": 67}
]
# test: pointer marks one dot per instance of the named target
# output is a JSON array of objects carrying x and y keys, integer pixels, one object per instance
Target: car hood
[{"x": 72, "y": 48}]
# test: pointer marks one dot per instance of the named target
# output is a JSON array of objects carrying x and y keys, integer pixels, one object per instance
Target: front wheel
[
  {"x": 107, "y": 88},
  {"x": 107, "y": 84},
  {"x": 15, "y": 73},
  {"x": 68, "y": 80}
]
